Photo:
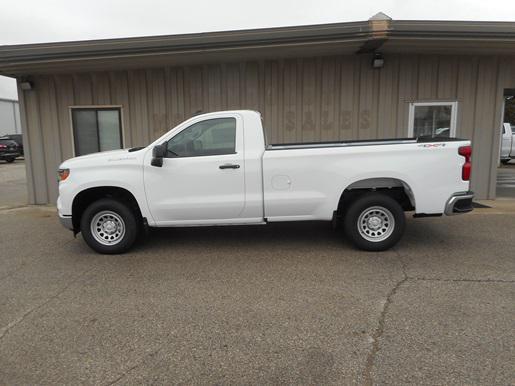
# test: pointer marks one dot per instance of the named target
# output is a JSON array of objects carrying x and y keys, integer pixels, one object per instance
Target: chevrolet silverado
[{"x": 218, "y": 169}]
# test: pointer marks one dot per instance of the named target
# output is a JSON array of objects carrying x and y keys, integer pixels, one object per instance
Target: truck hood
[{"x": 95, "y": 158}]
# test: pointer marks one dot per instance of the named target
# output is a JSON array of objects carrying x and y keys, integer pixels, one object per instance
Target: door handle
[{"x": 229, "y": 166}]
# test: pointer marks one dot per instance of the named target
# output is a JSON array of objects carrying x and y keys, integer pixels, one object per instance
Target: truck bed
[{"x": 306, "y": 180}]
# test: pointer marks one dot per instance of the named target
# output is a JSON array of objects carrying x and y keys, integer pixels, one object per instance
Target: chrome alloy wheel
[
  {"x": 376, "y": 224},
  {"x": 107, "y": 227}
]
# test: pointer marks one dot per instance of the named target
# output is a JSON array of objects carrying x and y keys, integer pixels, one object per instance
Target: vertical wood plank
[
  {"x": 224, "y": 91},
  {"x": 120, "y": 94},
  {"x": 328, "y": 113},
  {"x": 318, "y": 98},
  {"x": 367, "y": 100},
  {"x": 280, "y": 104},
  {"x": 427, "y": 77},
  {"x": 83, "y": 88},
  {"x": 194, "y": 91},
  {"x": 204, "y": 85},
  {"x": 101, "y": 88},
  {"x": 408, "y": 75},
  {"x": 252, "y": 86},
  {"x": 447, "y": 77},
  {"x": 233, "y": 86},
  {"x": 388, "y": 98},
  {"x": 290, "y": 101},
  {"x": 298, "y": 126},
  {"x": 267, "y": 106},
  {"x": 261, "y": 89},
  {"x": 175, "y": 98},
  {"x": 308, "y": 100},
  {"x": 65, "y": 99},
  {"x": 466, "y": 95},
  {"x": 214, "y": 87},
  {"x": 138, "y": 113},
  {"x": 157, "y": 103},
  {"x": 271, "y": 100},
  {"x": 348, "y": 89}
]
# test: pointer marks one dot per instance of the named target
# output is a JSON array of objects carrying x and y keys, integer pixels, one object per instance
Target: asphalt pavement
[
  {"x": 13, "y": 186},
  {"x": 506, "y": 181},
  {"x": 283, "y": 303}
]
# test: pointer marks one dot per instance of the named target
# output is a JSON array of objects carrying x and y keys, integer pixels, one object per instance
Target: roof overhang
[
  {"x": 388, "y": 36},
  {"x": 446, "y": 37}
]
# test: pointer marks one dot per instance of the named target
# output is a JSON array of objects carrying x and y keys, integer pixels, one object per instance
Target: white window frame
[{"x": 454, "y": 114}]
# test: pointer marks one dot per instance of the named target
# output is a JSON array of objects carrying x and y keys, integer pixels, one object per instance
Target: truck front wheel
[
  {"x": 374, "y": 222},
  {"x": 108, "y": 226}
]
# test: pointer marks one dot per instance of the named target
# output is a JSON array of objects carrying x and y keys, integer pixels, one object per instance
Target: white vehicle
[
  {"x": 507, "y": 143},
  {"x": 216, "y": 169}
]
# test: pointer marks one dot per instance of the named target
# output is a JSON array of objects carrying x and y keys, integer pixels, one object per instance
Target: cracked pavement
[{"x": 284, "y": 303}]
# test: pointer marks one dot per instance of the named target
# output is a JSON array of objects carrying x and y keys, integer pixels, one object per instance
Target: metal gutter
[
  {"x": 433, "y": 28},
  {"x": 269, "y": 36},
  {"x": 371, "y": 35}
]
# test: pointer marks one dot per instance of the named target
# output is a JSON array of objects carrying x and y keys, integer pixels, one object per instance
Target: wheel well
[
  {"x": 88, "y": 196},
  {"x": 394, "y": 188}
]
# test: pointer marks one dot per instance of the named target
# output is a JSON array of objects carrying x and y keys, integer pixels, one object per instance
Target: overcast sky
[{"x": 36, "y": 21}]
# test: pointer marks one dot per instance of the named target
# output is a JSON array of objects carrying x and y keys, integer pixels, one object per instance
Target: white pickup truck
[
  {"x": 507, "y": 143},
  {"x": 217, "y": 169}
]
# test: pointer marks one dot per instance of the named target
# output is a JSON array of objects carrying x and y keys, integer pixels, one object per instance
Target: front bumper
[
  {"x": 459, "y": 203},
  {"x": 9, "y": 155},
  {"x": 66, "y": 222}
]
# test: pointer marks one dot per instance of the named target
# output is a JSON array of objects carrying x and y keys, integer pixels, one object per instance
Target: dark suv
[
  {"x": 16, "y": 138},
  {"x": 8, "y": 150}
]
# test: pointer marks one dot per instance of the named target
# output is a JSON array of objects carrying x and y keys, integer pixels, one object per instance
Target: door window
[
  {"x": 432, "y": 119},
  {"x": 205, "y": 138},
  {"x": 96, "y": 130}
]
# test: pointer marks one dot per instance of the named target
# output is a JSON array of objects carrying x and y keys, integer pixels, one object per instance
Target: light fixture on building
[
  {"x": 378, "y": 60},
  {"x": 26, "y": 85}
]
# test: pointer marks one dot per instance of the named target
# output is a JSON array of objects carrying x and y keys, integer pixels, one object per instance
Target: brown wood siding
[{"x": 303, "y": 99}]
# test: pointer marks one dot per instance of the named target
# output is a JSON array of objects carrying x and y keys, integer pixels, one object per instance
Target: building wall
[
  {"x": 9, "y": 117},
  {"x": 304, "y": 99}
]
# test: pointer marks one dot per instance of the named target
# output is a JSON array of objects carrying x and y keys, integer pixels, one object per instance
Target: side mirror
[{"x": 158, "y": 153}]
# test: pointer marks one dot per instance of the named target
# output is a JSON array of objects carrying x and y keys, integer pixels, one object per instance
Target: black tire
[
  {"x": 505, "y": 161},
  {"x": 372, "y": 206},
  {"x": 104, "y": 207},
  {"x": 10, "y": 160}
]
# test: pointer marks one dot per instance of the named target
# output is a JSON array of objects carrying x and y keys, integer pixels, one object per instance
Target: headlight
[{"x": 62, "y": 174}]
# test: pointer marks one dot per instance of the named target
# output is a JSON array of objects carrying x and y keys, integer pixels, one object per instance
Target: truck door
[{"x": 202, "y": 178}]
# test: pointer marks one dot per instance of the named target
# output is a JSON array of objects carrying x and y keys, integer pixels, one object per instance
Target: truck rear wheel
[
  {"x": 108, "y": 226},
  {"x": 374, "y": 222}
]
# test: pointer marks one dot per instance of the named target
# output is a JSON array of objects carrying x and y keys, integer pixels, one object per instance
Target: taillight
[{"x": 466, "y": 151}]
